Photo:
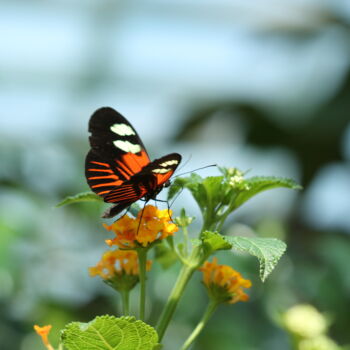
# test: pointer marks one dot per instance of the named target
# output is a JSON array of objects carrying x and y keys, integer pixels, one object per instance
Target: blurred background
[{"x": 263, "y": 86}]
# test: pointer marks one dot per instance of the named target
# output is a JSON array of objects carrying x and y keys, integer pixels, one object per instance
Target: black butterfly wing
[
  {"x": 117, "y": 154},
  {"x": 163, "y": 168}
]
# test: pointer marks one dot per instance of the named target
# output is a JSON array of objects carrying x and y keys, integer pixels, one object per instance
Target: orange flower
[
  {"x": 44, "y": 332},
  {"x": 155, "y": 224},
  {"x": 224, "y": 283},
  {"x": 125, "y": 229},
  {"x": 117, "y": 262}
]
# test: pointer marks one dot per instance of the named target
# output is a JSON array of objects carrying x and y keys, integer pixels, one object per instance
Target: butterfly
[{"x": 118, "y": 168}]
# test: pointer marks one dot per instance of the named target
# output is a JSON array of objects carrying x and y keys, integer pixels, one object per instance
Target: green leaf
[
  {"x": 267, "y": 250},
  {"x": 214, "y": 241},
  {"x": 174, "y": 188},
  {"x": 214, "y": 189},
  {"x": 80, "y": 197},
  {"x": 258, "y": 184},
  {"x": 192, "y": 183},
  {"x": 110, "y": 333}
]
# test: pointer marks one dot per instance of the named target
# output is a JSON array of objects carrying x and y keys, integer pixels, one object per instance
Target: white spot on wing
[
  {"x": 169, "y": 162},
  {"x": 160, "y": 171},
  {"x": 127, "y": 146},
  {"x": 122, "y": 129}
]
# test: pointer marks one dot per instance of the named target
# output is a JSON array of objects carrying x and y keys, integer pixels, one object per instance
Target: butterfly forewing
[
  {"x": 117, "y": 152},
  {"x": 163, "y": 168}
]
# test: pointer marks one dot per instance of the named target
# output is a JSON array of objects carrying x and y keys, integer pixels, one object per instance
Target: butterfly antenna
[
  {"x": 183, "y": 165},
  {"x": 175, "y": 198},
  {"x": 204, "y": 167}
]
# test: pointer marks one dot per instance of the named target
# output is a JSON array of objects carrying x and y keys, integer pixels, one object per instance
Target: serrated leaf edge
[{"x": 263, "y": 271}]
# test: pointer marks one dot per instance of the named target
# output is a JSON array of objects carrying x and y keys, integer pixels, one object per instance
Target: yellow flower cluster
[
  {"x": 224, "y": 283},
  {"x": 117, "y": 262},
  {"x": 155, "y": 224}
]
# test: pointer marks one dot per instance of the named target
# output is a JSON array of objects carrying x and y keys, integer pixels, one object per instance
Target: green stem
[
  {"x": 185, "y": 234},
  {"x": 208, "y": 313},
  {"x": 125, "y": 301},
  {"x": 142, "y": 255},
  {"x": 174, "y": 297},
  {"x": 224, "y": 217}
]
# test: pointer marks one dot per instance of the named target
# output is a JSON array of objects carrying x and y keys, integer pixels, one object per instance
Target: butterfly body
[{"x": 118, "y": 168}]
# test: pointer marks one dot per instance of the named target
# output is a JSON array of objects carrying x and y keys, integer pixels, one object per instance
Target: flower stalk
[
  {"x": 174, "y": 297},
  {"x": 185, "y": 274},
  {"x": 142, "y": 256},
  {"x": 125, "y": 301},
  {"x": 213, "y": 304}
]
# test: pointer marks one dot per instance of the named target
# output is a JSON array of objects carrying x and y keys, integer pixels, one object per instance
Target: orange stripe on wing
[
  {"x": 127, "y": 176},
  {"x": 124, "y": 169},
  {"x": 104, "y": 177},
  {"x": 103, "y": 170},
  {"x": 162, "y": 178},
  {"x": 120, "y": 199},
  {"x": 102, "y": 192},
  {"x": 121, "y": 194},
  {"x": 114, "y": 183},
  {"x": 136, "y": 161},
  {"x": 99, "y": 163}
]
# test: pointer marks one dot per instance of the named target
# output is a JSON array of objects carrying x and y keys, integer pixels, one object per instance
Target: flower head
[
  {"x": 119, "y": 268},
  {"x": 224, "y": 283},
  {"x": 117, "y": 262},
  {"x": 44, "y": 332},
  {"x": 150, "y": 225},
  {"x": 236, "y": 179}
]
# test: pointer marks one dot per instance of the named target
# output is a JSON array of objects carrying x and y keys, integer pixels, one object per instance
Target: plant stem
[
  {"x": 125, "y": 301},
  {"x": 142, "y": 255},
  {"x": 208, "y": 313},
  {"x": 174, "y": 297},
  {"x": 185, "y": 234}
]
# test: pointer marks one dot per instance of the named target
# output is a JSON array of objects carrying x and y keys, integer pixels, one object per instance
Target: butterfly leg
[
  {"x": 167, "y": 203},
  {"x": 170, "y": 217},
  {"x": 137, "y": 232},
  {"x": 159, "y": 200}
]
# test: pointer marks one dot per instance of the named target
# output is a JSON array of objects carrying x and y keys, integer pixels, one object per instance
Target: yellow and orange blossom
[
  {"x": 155, "y": 224},
  {"x": 44, "y": 332},
  {"x": 224, "y": 283},
  {"x": 116, "y": 262}
]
